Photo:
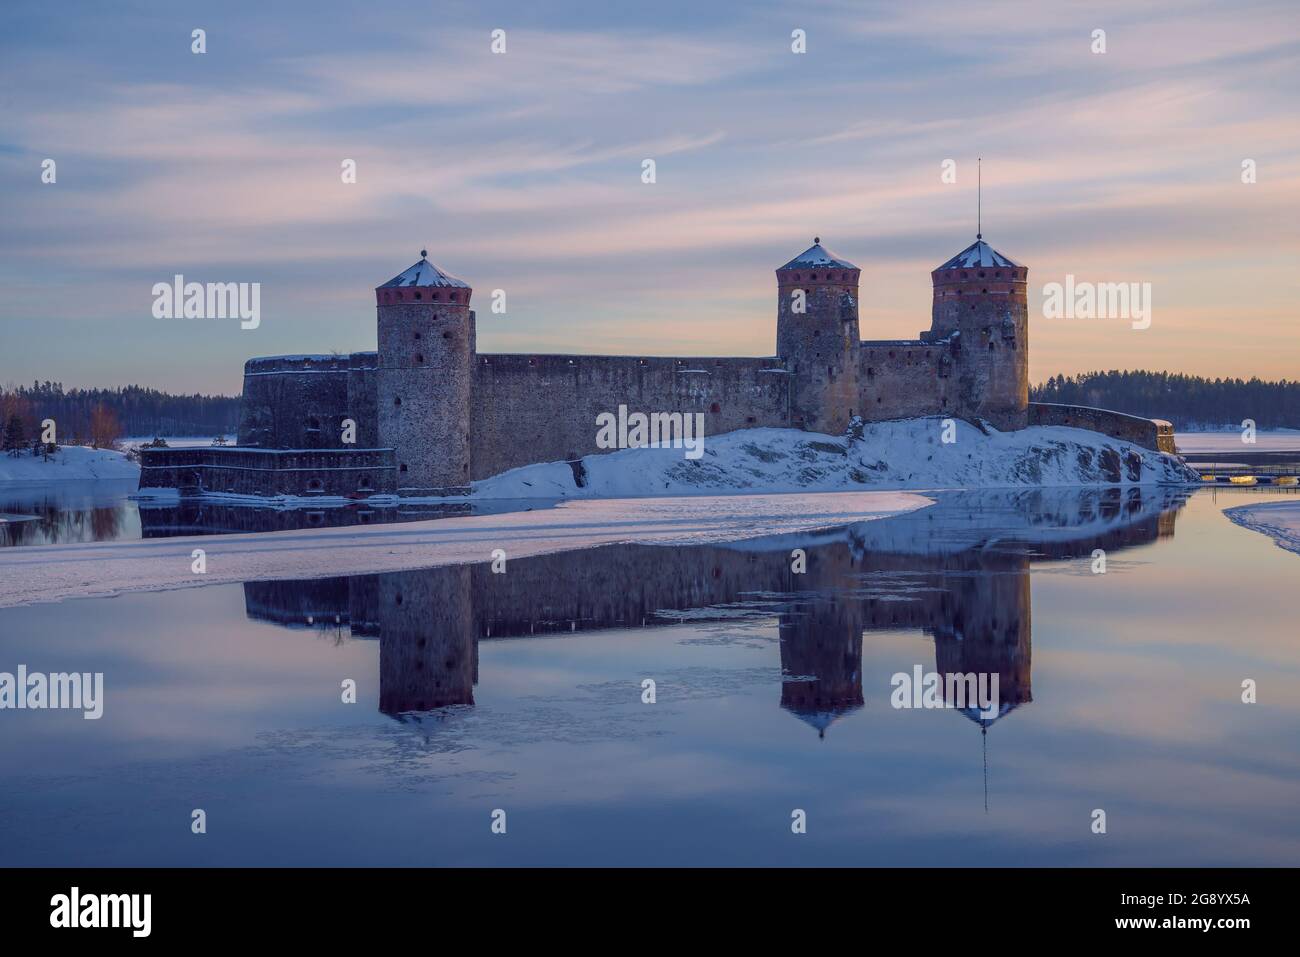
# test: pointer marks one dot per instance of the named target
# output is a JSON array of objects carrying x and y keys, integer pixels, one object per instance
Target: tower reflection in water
[{"x": 958, "y": 571}]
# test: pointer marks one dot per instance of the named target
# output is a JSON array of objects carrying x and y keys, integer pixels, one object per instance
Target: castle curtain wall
[
  {"x": 527, "y": 409},
  {"x": 293, "y": 402},
  {"x": 905, "y": 379}
]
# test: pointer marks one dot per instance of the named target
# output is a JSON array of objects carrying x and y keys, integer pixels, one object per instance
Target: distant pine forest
[
  {"x": 83, "y": 416},
  {"x": 1189, "y": 402}
]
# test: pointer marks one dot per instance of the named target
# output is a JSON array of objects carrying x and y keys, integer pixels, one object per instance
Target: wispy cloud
[{"x": 523, "y": 170}]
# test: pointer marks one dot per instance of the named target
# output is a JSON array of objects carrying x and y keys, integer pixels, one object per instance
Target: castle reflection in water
[{"x": 958, "y": 571}]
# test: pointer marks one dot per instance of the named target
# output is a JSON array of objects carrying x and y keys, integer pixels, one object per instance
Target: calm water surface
[
  {"x": 523, "y": 692},
  {"x": 107, "y": 510}
]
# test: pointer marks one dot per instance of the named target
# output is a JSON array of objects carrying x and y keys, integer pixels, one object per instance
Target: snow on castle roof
[
  {"x": 425, "y": 273},
  {"x": 818, "y": 255},
  {"x": 978, "y": 253}
]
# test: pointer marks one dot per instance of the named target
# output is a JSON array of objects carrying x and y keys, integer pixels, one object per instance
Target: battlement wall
[
  {"x": 301, "y": 401},
  {"x": 1154, "y": 434},
  {"x": 543, "y": 408},
  {"x": 905, "y": 379}
]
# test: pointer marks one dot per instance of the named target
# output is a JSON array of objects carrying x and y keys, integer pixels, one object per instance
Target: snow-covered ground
[
  {"x": 1280, "y": 521},
  {"x": 72, "y": 463},
  {"x": 901, "y": 454},
  {"x": 42, "y": 573},
  {"x": 1278, "y": 440}
]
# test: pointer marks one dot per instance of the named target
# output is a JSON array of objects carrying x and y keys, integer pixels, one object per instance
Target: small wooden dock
[{"x": 1247, "y": 467}]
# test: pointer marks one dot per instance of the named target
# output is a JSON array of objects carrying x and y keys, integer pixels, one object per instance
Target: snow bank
[
  {"x": 1280, "y": 521},
  {"x": 901, "y": 454},
  {"x": 41, "y": 573},
  {"x": 72, "y": 463}
]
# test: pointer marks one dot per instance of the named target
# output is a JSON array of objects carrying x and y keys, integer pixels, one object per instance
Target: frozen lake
[{"x": 522, "y": 691}]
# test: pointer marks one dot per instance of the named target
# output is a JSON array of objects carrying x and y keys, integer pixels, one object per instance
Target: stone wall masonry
[
  {"x": 247, "y": 471},
  {"x": 543, "y": 408},
  {"x": 423, "y": 393},
  {"x": 1154, "y": 434},
  {"x": 362, "y": 399},
  {"x": 905, "y": 379},
  {"x": 294, "y": 402}
]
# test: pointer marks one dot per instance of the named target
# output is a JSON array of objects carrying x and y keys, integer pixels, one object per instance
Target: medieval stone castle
[{"x": 427, "y": 413}]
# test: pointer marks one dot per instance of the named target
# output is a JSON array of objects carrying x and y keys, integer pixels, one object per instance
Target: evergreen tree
[{"x": 14, "y": 436}]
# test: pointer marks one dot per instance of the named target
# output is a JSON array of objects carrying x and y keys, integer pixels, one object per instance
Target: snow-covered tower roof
[
  {"x": 424, "y": 282},
  {"x": 816, "y": 256},
  {"x": 425, "y": 273},
  {"x": 979, "y": 253}
]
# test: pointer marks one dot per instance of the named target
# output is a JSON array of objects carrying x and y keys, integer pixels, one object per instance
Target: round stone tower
[
  {"x": 817, "y": 336},
  {"x": 426, "y": 345},
  {"x": 981, "y": 295}
]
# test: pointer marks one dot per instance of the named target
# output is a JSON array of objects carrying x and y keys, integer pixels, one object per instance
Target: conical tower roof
[
  {"x": 979, "y": 253},
  {"x": 818, "y": 256},
  {"x": 425, "y": 273}
]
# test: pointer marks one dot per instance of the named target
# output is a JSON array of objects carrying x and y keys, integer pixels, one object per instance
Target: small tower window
[
  {"x": 417, "y": 337},
  {"x": 397, "y": 400},
  {"x": 419, "y": 357},
  {"x": 402, "y": 467},
  {"x": 417, "y": 295}
]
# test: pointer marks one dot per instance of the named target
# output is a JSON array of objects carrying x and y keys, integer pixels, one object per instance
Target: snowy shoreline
[
  {"x": 907, "y": 454},
  {"x": 903, "y": 454},
  {"x": 71, "y": 463}
]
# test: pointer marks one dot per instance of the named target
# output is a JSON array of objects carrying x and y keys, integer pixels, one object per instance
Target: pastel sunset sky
[{"x": 522, "y": 171}]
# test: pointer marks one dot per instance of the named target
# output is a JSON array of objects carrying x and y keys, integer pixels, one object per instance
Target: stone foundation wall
[
  {"x": 1154, "y": 434},
  {"x": 247, "y": 471}
]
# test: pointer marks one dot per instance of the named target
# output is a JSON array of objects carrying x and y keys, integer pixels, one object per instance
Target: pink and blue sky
[{"x": 522, "y": 171}]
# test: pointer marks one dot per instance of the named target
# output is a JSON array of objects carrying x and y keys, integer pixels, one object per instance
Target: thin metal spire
[
  {"x": 984, "y": 734},
  {"x": 979, "y": 197}
]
